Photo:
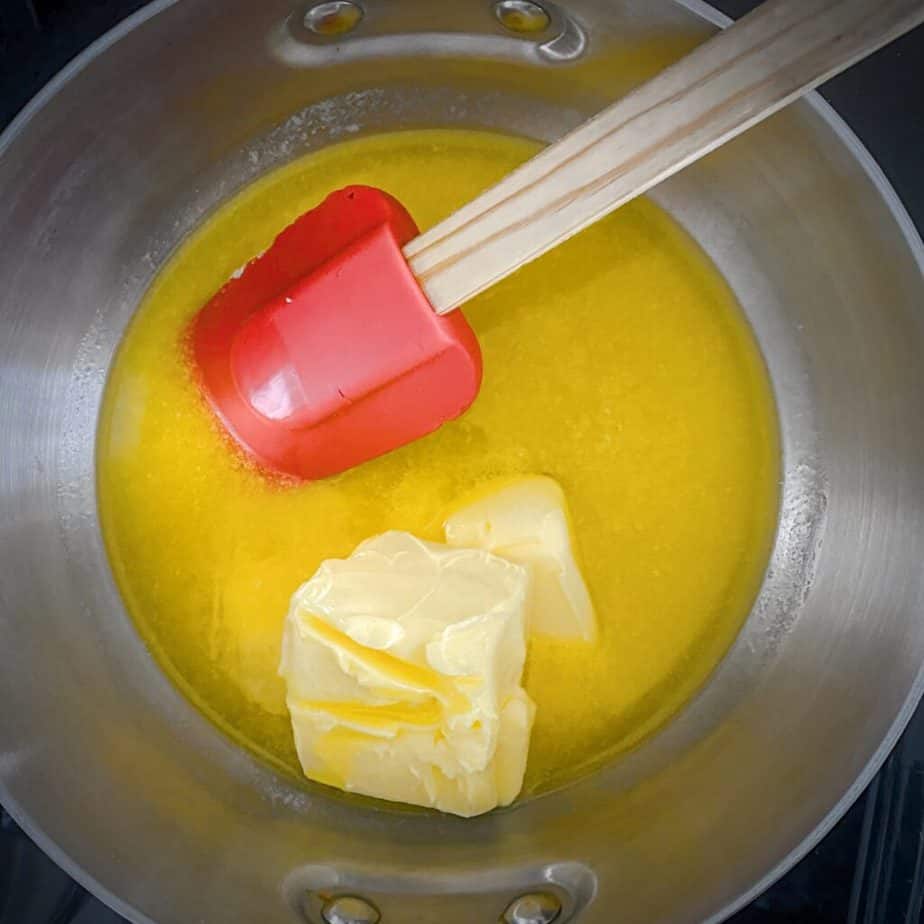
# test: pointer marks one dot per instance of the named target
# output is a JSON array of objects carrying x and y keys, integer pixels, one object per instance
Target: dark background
[{"x": 870, "y": 868}]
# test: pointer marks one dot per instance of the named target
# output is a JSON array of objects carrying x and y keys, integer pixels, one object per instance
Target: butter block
[
  {"x": 526, "y": 521},
  {"x": 403, "y": 666}
]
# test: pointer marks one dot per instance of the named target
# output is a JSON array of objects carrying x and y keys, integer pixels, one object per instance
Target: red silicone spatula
[{"x": 338, "y": 345}]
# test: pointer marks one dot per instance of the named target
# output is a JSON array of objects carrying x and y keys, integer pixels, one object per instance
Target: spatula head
[{"x": 324, "y": 352}]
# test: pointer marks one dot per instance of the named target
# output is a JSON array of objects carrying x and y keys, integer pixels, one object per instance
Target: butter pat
[
  {"x": 526, "y": 521},
  {"x": 403, "y": 666}
]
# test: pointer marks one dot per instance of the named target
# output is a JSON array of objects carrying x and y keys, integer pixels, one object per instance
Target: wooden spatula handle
[{"x": 742, "y": 75}]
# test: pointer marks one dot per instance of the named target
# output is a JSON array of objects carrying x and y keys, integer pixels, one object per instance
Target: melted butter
[
  {"x": 619, "y": 364},
  {"x": 381, "y": 718},
  {"x": 388, "y": 667}
]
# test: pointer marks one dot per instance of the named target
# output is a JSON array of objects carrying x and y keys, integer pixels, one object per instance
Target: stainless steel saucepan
[{"x": 133, "y": 791}]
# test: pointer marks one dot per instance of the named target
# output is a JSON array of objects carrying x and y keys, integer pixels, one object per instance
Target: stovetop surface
[{"x": 870, "y": 867}]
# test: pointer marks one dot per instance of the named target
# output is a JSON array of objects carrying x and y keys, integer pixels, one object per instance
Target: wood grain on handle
[{"x": 742, "y": 75}]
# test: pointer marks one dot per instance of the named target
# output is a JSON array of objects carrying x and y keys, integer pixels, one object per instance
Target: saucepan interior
[{"x": 138, "y": 795}]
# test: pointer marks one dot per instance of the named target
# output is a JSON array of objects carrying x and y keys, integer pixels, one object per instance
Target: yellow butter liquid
[{"x": 619, "y": 364}]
